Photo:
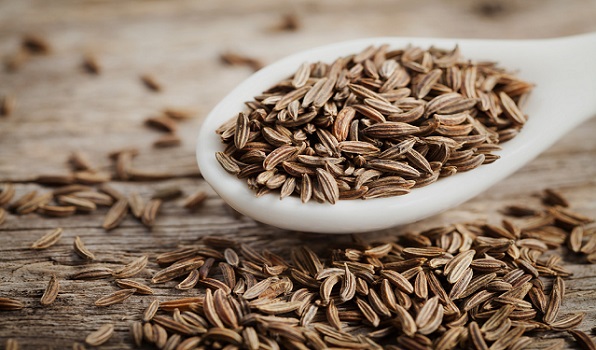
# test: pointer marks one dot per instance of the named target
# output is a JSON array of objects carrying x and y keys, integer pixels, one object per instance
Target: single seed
[
  {"x": 115, "y": 298},
  {"x": 151, "y": 83},
  {"x": 51, "y": 292},
  {"x": 81, "y": 250},
  {"x": 48, "y": 240},
  {"x": 116, "y": 214},
  {"x": 100, "y": 336},
  {"x": 150, "y": 311}
]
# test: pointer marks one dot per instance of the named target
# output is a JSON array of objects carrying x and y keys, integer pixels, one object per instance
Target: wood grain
[{"x": 60, "y": 108}]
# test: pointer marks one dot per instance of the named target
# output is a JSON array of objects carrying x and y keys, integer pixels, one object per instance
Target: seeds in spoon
[{"x": 355, "y": 111}]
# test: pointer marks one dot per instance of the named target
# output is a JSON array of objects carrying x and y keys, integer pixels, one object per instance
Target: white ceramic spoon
[{"x": 563, "y": 69}]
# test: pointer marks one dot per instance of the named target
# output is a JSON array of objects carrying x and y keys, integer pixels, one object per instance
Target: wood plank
[{"x": 61, "y": 109}]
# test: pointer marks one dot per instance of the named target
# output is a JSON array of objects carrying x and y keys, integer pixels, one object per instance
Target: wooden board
[{"x": 61, "y": 109}]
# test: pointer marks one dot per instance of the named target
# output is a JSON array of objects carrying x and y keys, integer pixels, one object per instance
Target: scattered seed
[
  {"x": 91, "y": 64},
  {"x": 35, "y": 44},
  {"x": 236, "y": 59},
  {"x": 51, "y": 292},
  {"x": 129, "y": 284},
  {"x": 151, "y": 83},
  {"x": 167, "y": 140},
  {"x": 116, "y": 214},
  {"x": 150, "y": 311},
  {"x": 9, "y": 304},
  {"x": 100, "y": 336},
  {"x": 150, "y": 212},
  {"x": 48, "y": 240},
  {"x": 7, "y": 104},
  {"x": 115, "y": 298},
  {"x": 81, "y": 250}
]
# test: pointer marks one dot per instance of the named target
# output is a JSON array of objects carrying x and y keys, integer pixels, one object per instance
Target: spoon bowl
[{"x": 563, "y": 70}]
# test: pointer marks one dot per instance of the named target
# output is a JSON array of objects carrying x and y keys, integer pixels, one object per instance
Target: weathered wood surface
[{"x": 61, "y": 109}]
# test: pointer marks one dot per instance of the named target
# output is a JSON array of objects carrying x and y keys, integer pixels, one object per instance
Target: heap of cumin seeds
[
  {"x": 374, "y": 124},
  {"x": 472, "y": 285}
]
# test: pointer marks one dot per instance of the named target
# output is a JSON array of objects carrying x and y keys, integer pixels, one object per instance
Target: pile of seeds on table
[
  {"x": 469, "y": 285},
  {"x": 374, "y": 124}
]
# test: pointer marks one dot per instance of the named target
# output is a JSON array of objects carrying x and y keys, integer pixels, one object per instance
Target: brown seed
[
  {"x": 7, "y": 192},
  {"x": 93, "y": 273},
  {"x": 177, "y": 270},
  {"x": 136, "y": 332},
  {"x": 167, "y": 140},
  {"x": 227, "y": 163},
  {"x": 257, "y": 289},
  {"x": 450, "y": 338},
  {"x": 277, "y": 156},
  {"x": 242, "y": 132},
  {"x": 161, "y": 336},
  {"x": 80, "y": 161},
  {"x": 48, "y": 240},
  {"x": 568, "y": 322},
  {"x": 190, "y": 281},
  {"x": 302, "y": 75},
  {"x": 51, "y": 292},
  {"x": 91, "y": 64},
  {"x": 585, "y": 341},
  {"x": 100, "y": 336},
  {"x": 181, "y": 304},
  {"x": 91, "y": 177},
  {"x": 368, "y": 312},
  {"x": 81, "y": 250},
  {"x": 328, "y": 185},
  {"x": 87, "y": 200},
  {"x": 12, "y": 344},
  {"x": 456, "y": 267},
  {"x": 236, "y": 59},
  {"x": 56, "y": 210},
  {"x": 511, "y": 109},
  {"x": 115, "y": 215},
  {"x": 133, "y": 268},
  {"x": 115, "y": 298},
  {"x": 398, "y": 280},
  {"x": 167, "y": 193},
  {"x": 9, "y": 304},
  {"x": 553, "y": 197},
  {"x": 150, "y": 213},
  {"x": 34, "y": 204},
  {"x": 162, "y": 123},
  {"x": 211, "y": 311},
  {"x": 390, "y": 129},
  {"x": 348, "y": 286},
  {"x": 129, "y": 284},
  {"x": 179, "y": 113},
  {"x": 35, "y": 44},
  {"x": 172, "y": 325},
  {"x": 136, "y": 204},
  {"x": 392, "y": 166},
  {"x": 575, "y": 239},
  {"x": 80, "y": 204},
  {"x": 7, "y": 105},
  {"x": 13, "y": 62},
  {"x": 555, "y": 300},
  {"x": 151, "y": 83},
  {"x": 150, "y": 311}
]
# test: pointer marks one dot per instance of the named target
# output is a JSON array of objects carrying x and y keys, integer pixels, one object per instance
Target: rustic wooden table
[{"x": 61, "y": 109}]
